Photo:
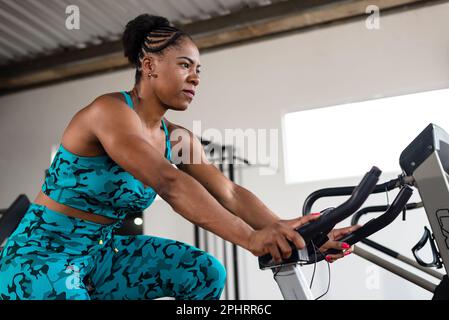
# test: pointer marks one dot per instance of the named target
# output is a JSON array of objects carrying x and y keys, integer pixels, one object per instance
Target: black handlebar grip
[
  {"x": 328, "y": 221},
  {"x": 378, "y": 223},
  {"x": 358, "y": 197}
]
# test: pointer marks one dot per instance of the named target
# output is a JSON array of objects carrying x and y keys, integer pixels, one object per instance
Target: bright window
[{"x": 346, "y": 140}]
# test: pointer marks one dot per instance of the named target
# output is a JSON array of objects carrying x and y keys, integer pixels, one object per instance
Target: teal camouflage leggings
[{"x": 54, "y": 256}]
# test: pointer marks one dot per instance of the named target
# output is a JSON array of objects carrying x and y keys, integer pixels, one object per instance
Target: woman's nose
[{"x": 195, "y": 80}]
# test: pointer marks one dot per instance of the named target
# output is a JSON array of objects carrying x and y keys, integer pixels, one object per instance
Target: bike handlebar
[
  {"x": 326, "y": 222},
  {"x": 380, "y": 222}
]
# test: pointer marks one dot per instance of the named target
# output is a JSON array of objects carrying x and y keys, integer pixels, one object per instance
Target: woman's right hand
[{"x": 273, "y": 238}]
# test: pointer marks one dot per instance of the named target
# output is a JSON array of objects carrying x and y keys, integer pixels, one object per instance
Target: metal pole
[
  {"x": 402, "y": 258},
  {"x": 234, "y": 247},
  {"x": 407, "y": 275},
  {"x": 225, "y": 258}
]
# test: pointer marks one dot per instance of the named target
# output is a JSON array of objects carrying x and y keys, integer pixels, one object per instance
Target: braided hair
[{"x": 148, "y": 34}]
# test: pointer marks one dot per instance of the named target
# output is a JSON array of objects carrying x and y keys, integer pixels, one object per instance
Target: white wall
[{"x": 252, "y": 86}]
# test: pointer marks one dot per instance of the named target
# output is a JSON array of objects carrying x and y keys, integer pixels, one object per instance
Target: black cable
[
  {"x": 328, "y": 283},
  {"x": 276, "y": 273},
  {"x": 314, "y": 265},
  {"x": 313, "y": 274},
  {"x": 314, "y": 268}
]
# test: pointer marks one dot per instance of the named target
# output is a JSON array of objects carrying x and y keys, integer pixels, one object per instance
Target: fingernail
[
  {"x": 345, "y": 245},
  {"x": 316, "y": 214},
  {"x": 347, "y": 252},
  {"x": 328, "y": 258}
]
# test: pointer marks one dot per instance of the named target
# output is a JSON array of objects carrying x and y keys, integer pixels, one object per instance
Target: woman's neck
[{"x": 148, "y": 106}]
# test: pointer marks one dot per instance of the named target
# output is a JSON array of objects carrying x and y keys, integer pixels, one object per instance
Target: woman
[{"x": 114, "y": 158}]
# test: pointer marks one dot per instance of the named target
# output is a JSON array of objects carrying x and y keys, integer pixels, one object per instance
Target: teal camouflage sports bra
[{"x": 97, "y": 184}]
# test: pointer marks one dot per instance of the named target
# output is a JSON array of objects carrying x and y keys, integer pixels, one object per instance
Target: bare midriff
[{"x": 48, "y": 202}]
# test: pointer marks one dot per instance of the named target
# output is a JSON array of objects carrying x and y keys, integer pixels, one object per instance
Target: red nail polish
[
  {"x": 328, "y": 258},
  {"x": 347, "y": 252},
  {"x": 316, "y": 214},
  {"x": 345, "y": 245}
]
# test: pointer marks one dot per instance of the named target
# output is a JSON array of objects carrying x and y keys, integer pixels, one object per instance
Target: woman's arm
[
  {"x": 250, "y": 208},
  {"x": 238, "y": 200},
  {"x": 190, "y": 199},
  {"x": 119, "y": 131},
  {"x": 241, "y": 201}
]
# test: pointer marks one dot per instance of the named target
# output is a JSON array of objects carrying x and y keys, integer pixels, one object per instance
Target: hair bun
[{"x": 135, "y": 32}]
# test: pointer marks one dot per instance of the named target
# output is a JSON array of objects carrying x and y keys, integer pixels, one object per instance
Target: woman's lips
[{"x": 190, "y": 94}]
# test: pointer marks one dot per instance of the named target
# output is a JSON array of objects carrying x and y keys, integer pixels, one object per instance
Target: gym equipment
[
  {"x": 425, "y": 166},
  {"x": 290, "y": 279},
  {"x": 424, "y": 267}
]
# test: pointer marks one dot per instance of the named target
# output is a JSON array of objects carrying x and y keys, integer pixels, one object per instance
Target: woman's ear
[{"x": 148, "y": 65}]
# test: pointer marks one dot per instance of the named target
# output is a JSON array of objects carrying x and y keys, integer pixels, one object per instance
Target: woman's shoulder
[
  {"x": 108, "y": 101},
  {"x": 171, "y": 126},
  {"x": 110, "y": 107},
  {"x": 178, "y": 133},
  {"x": 80, "y": 135}
]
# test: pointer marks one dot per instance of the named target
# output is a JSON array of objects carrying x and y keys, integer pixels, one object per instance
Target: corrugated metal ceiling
[{"x": 35, "y": 28}]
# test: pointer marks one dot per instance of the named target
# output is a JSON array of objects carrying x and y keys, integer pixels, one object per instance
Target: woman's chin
[
  {"x": 182, "y": 107},
  {"x": 178, "y": 107}
]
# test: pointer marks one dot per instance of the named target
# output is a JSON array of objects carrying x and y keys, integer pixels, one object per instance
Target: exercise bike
[{"x": 425, "y": 166}]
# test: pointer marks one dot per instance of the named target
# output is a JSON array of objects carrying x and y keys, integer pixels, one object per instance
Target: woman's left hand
[{"x": 333, "y": 243}]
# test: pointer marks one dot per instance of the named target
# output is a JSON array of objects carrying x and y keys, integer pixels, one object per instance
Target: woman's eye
[{"x": 186, "y": 65}]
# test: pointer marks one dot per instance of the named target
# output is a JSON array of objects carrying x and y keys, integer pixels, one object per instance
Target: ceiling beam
[{"x": 237, "y": 27}]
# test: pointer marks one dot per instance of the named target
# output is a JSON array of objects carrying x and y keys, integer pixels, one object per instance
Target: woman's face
[{"x": 177, "y": 75}]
